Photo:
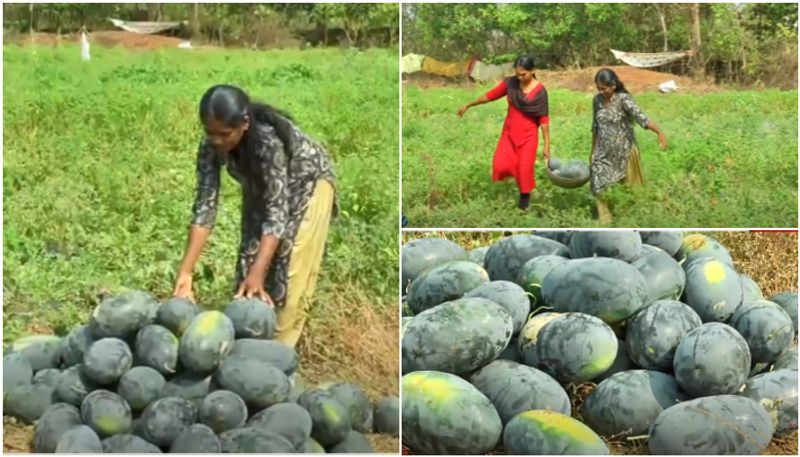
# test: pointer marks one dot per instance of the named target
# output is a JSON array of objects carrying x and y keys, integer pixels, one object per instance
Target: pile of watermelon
[
  {"x": 149, "y": 377},
  {"x": 676, "y": 346}
]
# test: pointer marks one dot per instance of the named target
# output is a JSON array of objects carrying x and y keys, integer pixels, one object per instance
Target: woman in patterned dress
[
  {"x": 288, "y": 200},
  {"x": 615, "y": 154},
  {"x": 528, "y": 110}
]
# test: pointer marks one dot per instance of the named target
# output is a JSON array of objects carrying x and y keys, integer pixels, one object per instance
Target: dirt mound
[
  {"x": 107, "y": 38},
  {"x": 636, "y": 80}
]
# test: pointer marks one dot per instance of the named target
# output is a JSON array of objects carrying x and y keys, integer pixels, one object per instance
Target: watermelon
[
  {"x": 165, "y": 419},
  {"x": 787, "y": 360},
  {"x": 141, "y": 386},
  {"x": 508, "y": 295},
  {"x": 75, "y": 345},
  {"x": 106, "y": 360},
  {"x": 695, "y": 247},
  {"x": 55, "y": 421},
  {"x": 123, "y": 315},
  {"x": 445, "y": 282},
  {"x": 387, "y": 416},
  {"x": 72, "y": 386},
  {"x": 505, "y": 257},
  {"x": 80, "y": 439},
  {"x": 561, "y": 236},
  {"x": 444, "y": 414},
  {"x": 189, "y": 386},
  {"x": 766, "y": 327},
  {"x": 17, "y": 371},
  {"x": 107, "y": 413},
  {"x": 609, "y": 411},
  {"x": 776, "y": 391},
  {"x": 788, "y": 301},
  {"x": 456, "y": 337},
  {"x": 653, "y": 333},
  {"x": 532, "y": 273},
  {"x": 48, "y": 376},
  {"x": 606, "y": 288},
  {"x": 511, "y": 352},
  {"x": 196, "y": 439},
  {"x": 542, "y": 432},
  {"x": 530, "y": 331},
  {"x": 477, "y": 255},
  {"x": 252, "y": 318},
  {"x": 353, "y": 443},
  {"x": 207, "y": 340},
  {"x": 664, "y": 277},
  {"x": 713, "y": 289},
  {"x": 623, "y": 245},
  {"x": 572, "y": 347},
  {"x": 260, "y": 384},
  {"x": 42, "y": 351},
  {"x": 28, "y": 402},
  {"x": 275, "y": 353},
  {"x": 668, "y": 242},
  {"x": 721, "y": 424},
  {"x": 289, "y": 420},
  {"x": 513, "y": 388},
  {"x": 358, "y": 405},
  {"x": 712, "y": 359},
  {"x": 223, "y": 410},
  {"x": 157, "y": 348},
  {"x": 176, "y": 314},
  {"x": 125, "y": 443},
  {"x": 750, "y": 289},
  {"x": 253, "y": 440},
  {"x": 312, "y": 447},
  {"x": 330, "y": 419},
  {"x": 425, "y": 253}
]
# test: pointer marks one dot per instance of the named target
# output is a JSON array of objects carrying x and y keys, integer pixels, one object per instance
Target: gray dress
[
  {"x": 276, "y": 188},
  {"x": 613, "y": 128}
]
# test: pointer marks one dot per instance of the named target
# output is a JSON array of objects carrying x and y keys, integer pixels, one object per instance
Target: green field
[
  {"x": 731, "y": 162},
  {"x": 99, "y": 180}
]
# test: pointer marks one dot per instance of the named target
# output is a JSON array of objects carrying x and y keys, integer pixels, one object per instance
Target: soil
[
  {"x": 637, "y": 80},
  {"x": 108, "y": 38}
]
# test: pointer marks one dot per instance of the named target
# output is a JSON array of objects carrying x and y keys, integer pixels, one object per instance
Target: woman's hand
[
  {"x": 462, "y": 110},
  {"x": 253, "y": 286},
  {"x": 183, "y": 286},
  {"x": 547, "y": 153},
  {"x": 662, "y": 141}
]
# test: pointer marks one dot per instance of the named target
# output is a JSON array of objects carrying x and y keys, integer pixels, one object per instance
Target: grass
[
  {"x": 769, "y": 258},
  {"x": 99, "y": 180},
  {"x": 731, "y": 162}
]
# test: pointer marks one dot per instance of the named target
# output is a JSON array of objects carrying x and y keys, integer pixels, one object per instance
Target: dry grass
[{"x": 771, "y": 259}]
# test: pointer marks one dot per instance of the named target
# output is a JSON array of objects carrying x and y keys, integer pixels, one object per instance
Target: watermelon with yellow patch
[
  {"x": 542, "y": 432},
  {"x": 330, "y": 419},
  {"x": 713, "y": 289},
  {"x": 107, "y": 413},
  {"x": 571, "y": 347},
  {"x": 444, "y": 414},
  {"x": 207, "y": 340},
  {"x": 696, "y": 247}
]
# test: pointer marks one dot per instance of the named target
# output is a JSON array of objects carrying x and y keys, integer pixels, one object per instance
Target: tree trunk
[
  {"x": 696, "y": 43},
  {"x": 195, "y": 20},
  {"x": 30, "y": 25},
  {"x": 662, "y": 15}
]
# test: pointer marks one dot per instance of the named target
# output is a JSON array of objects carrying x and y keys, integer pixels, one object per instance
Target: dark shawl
[{"x": 532, "y": 108}]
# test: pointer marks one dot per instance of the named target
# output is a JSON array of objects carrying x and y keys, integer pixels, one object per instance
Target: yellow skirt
[
  {"x": 634, "y": 178},
  {"x": 304, "y": 264}
]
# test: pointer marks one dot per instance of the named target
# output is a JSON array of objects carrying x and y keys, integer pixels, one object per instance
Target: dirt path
[{"x": 106, "y": 38}]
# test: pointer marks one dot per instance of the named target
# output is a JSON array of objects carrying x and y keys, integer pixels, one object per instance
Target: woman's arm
[
  {"x": 204, "y": 214},
  {"x": 632, "y": 109},
  {"x": 497, "y": 92},
  {"x": 545, "y": 126},
  {"x": 662, "y": 139},
  {"x": 480, "y": 101}
]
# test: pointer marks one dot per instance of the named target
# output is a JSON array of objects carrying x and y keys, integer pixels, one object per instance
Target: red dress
[{"x": 516, "y": 150}]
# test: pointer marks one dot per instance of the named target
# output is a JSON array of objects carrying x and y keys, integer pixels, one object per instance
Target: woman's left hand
[
  {"x": 546, "y": 153},
  {"x": 662, "y": 141},
  {"x": 253, "y": 286}
]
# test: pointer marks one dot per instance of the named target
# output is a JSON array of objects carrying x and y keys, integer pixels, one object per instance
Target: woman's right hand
[
  {"x": 183, "y": 286},
  {"x": 462, "y": 110}
]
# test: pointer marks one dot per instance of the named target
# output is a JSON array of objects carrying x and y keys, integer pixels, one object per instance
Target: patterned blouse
[
  {"x": 613, "y": 127},
  {"x": 276, "y": 188}
]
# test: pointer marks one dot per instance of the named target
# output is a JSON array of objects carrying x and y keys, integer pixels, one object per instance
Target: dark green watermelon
[
  {"x": 713, "y": 289},
  {"x": 623, "y": 245},
  {"x": 157, "y": 348},
  {"x": 776, "y": 391},
  {"x": 165, "y": 419},
  {"x": 252, "y": 318},
  {"x": 42, "y": 351},
  {"x": 456, "y": 337},
  {"x": 505, "y": 257},
  {"x": 425, "y": 253},
  {"x": 289, "y": 420},
  {"x": 106, "y": 360},
  {"x": 75, "y": 345},
  {"x": 141, "y": 386},
  {"x": 176, "y": 314},
  {"x": 696, "y": 246},
  {"x": 712, "y": 359},
  {"x": 223, "y": 410},
  {"x": 663, "y": 276},
  {"x": 354, "y": 443},
  {"x": 206, "y": 342},
  {"x": 766, "y": 327},
  {"x": 542, "y": 432},
  {"x": 356, "y": 402},
  {"x": 788, "y": 301},
  {"x": 80, "y": 439},
  {"x": 17, "y": 371},
  {"x": 28, "y": 402},
  {"x": 123, "y": 315},
  {"x": 72, "y": 386},
  {"x": 260, "y": 385},
  {"x": 125, "y": 443},
  {"x": 55, "y": 421},
  {"x": 272, "y": 352},
  {"x": 653, "y": 333},
  {"x": 532, "y": 273},
  {"x": 445, "y": 282},
  {"x": 508, "y": 295},
  {"x": 107, "y": 413},
  {"x": 196, "y": 439},
  {"x": 254, "y": 440},
  {"x": 330, "y": 419},
  {"x": 667, "y": 241},
  {"x": 387, "y": 416},
  {"x": 477, "y": 255}
]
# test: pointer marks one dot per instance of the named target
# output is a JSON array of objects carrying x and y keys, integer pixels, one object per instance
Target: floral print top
[
  {"x": 276, "y": 187},
  {"x": 612, "y": 125}
]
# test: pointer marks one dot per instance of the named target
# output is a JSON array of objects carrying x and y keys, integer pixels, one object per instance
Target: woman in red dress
[{"x": 527, "y": 112}]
